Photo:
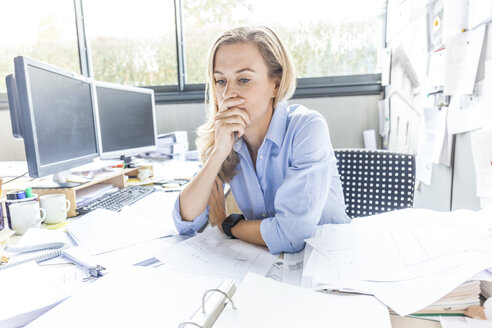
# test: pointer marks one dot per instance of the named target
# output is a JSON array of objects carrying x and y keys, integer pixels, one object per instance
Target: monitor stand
[{"x": 62, "y": 179}]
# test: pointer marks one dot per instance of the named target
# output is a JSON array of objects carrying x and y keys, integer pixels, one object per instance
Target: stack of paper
[
  {"x": 172, "y": 145},
  {"x": 86, "y": 195},
  {"x": 486, "y": 287},
  {"x": 456, "y": 301},
  {"x": 409, "y": 259}
]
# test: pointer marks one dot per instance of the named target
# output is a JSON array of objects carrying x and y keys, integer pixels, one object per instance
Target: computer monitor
[
  {"x": 126, "y": 116},
  {"x": 13, "y": 105},
  {"x": 56, "y": 117}
]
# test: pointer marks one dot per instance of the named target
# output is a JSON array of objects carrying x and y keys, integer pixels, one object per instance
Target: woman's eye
[
  {"x": 220, "y": 82},
  {"x": 244, "y": 80}
]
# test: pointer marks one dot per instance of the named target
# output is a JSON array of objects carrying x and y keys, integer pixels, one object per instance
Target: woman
[{"x": 277, "y": 158}]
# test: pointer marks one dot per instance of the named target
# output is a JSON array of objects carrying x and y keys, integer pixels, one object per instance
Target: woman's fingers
[
  {"x": 229, "y": 103},
  {"x": 234, "y": 112}
]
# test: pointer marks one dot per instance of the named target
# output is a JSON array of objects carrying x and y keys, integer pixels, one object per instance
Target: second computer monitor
[{"x": 126, "y": 116}]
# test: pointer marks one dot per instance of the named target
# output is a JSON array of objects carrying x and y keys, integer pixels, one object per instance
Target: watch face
[{"x": 229, "y": 220}]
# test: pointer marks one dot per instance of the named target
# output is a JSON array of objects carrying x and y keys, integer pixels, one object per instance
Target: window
[
  {"x": 325, "y": 38},
  {"x": 132, "y": 42},
  {"x": 44, "y": 30},
  {"x": 334, "y": 43}
]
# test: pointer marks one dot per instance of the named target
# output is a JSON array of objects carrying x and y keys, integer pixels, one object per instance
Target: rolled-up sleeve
[
  {"x": 188, "y": 227},
  {"x": 300, "y": 200}
]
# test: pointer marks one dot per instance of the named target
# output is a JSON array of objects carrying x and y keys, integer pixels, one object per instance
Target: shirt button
[
  {"x": 264, "y": 215},
  {"x": 261, "y": 156}
]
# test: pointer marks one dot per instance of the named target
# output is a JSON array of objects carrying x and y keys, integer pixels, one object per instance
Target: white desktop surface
[{"x": 137, "y": 253}]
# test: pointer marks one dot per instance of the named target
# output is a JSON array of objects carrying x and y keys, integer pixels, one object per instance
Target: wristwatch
[{"x": 230, "y": 222}]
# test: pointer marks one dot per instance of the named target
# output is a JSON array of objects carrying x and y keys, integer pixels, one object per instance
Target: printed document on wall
[
  {"x": 481, "y": 142},
  {"x": 462, "y": 57}
]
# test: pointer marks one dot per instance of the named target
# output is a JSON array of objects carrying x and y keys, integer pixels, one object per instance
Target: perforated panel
[{"x": 375, "y": 181}]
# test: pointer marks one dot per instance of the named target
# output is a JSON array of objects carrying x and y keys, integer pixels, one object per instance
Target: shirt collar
[
  {"x": 276, "y": 129},
  {"x": 278, "y": 124}
]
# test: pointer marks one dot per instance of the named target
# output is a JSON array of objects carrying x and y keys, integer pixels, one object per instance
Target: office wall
[{"x": 347, "y": 117}]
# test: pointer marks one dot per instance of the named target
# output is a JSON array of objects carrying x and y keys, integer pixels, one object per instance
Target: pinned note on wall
[
  {"x": 462, "y": 57},
  {"x": 481, "y": 142}
]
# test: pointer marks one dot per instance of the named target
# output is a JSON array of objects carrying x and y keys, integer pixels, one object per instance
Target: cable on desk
[{"x": 20, "y": 176}]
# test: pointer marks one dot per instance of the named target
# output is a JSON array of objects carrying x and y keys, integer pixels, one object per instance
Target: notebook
[
  {"x": 263, "y": 302},
  {"x": 141, "y": 297}
]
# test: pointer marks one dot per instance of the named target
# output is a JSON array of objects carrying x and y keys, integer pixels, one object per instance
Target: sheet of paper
[
  {"x": 154, "y": 298},
  {"x": 465, "y": 119},
  {"x": 409, "y": 243},
  {"x": 102, "y": 230},
  {"x": 481, "y": 143},
  {"x": 30, "y": 292},
  {"x": 282, "y": 305},
  {"x": 409, "y": 296},
  {"x": 462, "y": 56},
  {"x": 426, "y": 151},
  {"x": 211, "y": 253},
  {"x": 437, "y": 64}
]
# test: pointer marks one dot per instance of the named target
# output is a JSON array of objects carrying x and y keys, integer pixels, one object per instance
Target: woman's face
[{"x": 241, "y": 72}]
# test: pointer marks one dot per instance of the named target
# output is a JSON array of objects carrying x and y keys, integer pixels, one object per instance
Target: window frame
[{"x": 182, "y": 92}]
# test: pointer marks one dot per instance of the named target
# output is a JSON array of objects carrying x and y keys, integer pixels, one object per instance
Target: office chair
[{"x": 375, "y": 181}]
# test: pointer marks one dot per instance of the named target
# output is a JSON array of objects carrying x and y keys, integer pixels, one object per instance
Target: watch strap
[{"x": 230, "y": 222}]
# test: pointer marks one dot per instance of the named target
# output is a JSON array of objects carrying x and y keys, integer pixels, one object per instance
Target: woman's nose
[{"x": 229, "y": 91}]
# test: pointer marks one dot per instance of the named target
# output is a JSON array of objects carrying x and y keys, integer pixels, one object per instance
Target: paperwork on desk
[
  {"x": 137, "y": 297},
  {"x": 27, "y": 292},
  {"x": 88, "y": 194},
  {"x": 102, "y": 230},
  {"x": 408, "y": 258},
  {"x": 211, "y": 253},
  {"x": 263, "y": 302}
]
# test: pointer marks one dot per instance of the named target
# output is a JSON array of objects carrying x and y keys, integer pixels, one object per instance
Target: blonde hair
[{"x": 279, "y": 65}]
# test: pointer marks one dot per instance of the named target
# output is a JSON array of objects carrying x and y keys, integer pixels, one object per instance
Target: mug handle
[
  {"x": 43, "y": 214},
  {"x": 67, "y": 202}
]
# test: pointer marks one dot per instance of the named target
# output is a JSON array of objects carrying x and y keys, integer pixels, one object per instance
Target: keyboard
[{"x": 116, "y": 200}]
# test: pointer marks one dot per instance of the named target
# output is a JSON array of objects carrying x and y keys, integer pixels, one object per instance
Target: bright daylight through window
[{"x": 134, "y": 43}]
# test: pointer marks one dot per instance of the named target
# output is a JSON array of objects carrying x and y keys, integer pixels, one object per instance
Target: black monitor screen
[
  {"x": 64, "y": 116},
  {"x": 126, "y": 119}
]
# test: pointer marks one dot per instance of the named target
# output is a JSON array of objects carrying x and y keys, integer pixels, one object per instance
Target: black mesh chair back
[{"x": 375, "y": 181}]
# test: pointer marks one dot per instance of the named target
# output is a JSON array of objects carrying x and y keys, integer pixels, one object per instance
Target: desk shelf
[{"x": 117, "y": 179}]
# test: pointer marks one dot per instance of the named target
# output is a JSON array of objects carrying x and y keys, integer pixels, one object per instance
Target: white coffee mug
[
  {"x": 56, "y": 206},
  {"x": 26, "y": 215}
]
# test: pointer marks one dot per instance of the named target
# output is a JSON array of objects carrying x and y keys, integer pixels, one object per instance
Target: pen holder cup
[{"x": 9, "y": 202}]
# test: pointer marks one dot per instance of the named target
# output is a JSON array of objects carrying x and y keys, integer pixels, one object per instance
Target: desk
[{"x": 133, "y": 254}]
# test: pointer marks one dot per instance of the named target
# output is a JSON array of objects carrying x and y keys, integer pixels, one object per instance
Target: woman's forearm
[
  {"x": 249, "y": 231},
  {"x": 194, "y": 197}
]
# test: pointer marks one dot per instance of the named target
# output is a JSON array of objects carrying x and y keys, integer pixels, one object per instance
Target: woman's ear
[{"x": 275, "y": 91}]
